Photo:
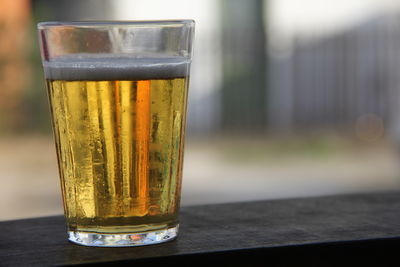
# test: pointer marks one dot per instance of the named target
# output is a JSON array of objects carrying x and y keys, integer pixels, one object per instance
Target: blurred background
[{"x": 287, "y": 99}]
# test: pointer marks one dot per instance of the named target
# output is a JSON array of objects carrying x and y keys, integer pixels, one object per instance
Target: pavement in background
[{"x": 216, "y": 171}]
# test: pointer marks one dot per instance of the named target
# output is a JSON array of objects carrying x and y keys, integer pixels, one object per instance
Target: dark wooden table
[{"x": 323, "y": 231}]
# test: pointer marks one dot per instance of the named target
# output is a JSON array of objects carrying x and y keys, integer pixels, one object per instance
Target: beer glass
[{"x": 118, "y": 95}]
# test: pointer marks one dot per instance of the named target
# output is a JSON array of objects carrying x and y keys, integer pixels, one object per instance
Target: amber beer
[{"x": 119, "y": 127}]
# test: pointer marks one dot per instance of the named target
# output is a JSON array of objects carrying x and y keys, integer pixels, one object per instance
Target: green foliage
[{"x": 34, "y": 103}]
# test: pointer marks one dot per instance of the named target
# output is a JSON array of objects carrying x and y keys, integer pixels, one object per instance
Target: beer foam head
[{"x": 111, "y": 67}]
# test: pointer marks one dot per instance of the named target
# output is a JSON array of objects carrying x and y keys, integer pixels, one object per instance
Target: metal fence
[{"x": 333, "y": 81}]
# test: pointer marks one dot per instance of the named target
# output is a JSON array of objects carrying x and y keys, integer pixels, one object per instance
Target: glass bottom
[{"x": 123, "y": 240}]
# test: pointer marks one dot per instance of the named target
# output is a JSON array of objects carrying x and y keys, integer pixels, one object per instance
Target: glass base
[{"x": 123, "y": 240}]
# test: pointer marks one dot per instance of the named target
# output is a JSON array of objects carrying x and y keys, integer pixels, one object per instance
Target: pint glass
[{"x": 118, "y": 95}]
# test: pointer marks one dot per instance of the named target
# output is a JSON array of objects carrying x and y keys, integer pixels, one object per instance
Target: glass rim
[{"x": 110, "y": 23}]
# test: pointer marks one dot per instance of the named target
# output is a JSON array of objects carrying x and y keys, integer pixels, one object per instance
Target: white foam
[{"x": 81, "y": 67}]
